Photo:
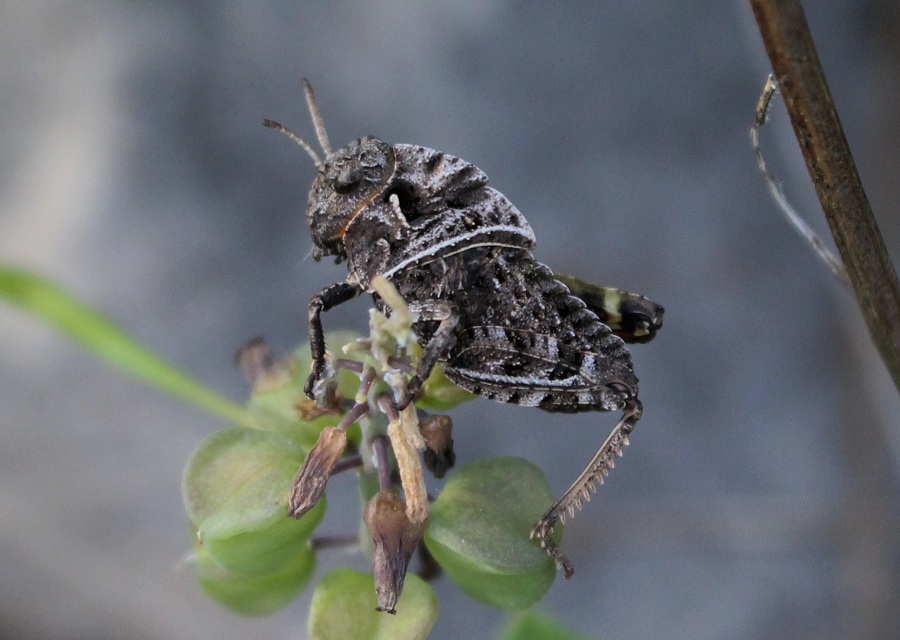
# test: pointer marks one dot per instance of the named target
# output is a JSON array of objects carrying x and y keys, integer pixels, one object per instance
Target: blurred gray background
[{"x": 759, "y": 498}]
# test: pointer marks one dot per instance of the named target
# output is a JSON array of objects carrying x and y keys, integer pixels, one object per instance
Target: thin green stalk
[{"x": 101, "y": 337}]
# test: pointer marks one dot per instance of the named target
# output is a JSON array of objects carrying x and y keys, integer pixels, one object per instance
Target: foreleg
[
  {"x": 326, "y": 299},
  {"x": 441, "y": 342}
]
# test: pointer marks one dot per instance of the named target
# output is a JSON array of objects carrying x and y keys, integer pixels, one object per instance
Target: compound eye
[
  {"x": 370, "y": 158},
  {"x": 347, "y": 180}
]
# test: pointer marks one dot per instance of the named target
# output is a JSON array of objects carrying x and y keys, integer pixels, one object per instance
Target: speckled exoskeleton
[{"x": 502, "y": 324}]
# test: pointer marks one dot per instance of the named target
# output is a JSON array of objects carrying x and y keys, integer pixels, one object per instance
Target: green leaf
[
  {"x": 235, "y": 491},
  {"x": 478, "y": 532},
  {"x": 102, "y": 338},
  {"x": 343, "y": 608},
  {"x": 528, "y": 625},
  {"x": 256, "y": 595}
]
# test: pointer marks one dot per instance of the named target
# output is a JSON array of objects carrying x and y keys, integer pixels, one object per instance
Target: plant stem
[
  {"x": 103, "y": 339},
  {"x": 801, "y": 81}
]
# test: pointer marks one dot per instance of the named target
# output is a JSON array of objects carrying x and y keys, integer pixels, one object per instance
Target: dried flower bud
[
  {"x": 255, "y": 359},
  {"x": 261, "y": 368},
  {"x": 309, "y": 483},
  {"x": 395, "y": 539},
  {"x": 437, "y": 431}
]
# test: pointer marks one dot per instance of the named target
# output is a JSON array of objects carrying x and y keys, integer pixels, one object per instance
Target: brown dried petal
[
  {"x": 308, "y": 409},
  {"x": 406, "y": 441}
]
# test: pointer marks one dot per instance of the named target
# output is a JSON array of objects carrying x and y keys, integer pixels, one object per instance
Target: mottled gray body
[{"x": 459, "y": 253}]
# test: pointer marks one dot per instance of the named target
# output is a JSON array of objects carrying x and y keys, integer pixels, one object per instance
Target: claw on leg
[{"x": 543, "y": 531}]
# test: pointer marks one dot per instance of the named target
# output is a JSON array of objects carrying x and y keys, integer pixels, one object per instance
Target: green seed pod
[
  {"x": 256, "y": 595},
  {"x": 343, "y": 608},
  {"x": 478, "y": 532},
  {"x": 235, "y": 491}
]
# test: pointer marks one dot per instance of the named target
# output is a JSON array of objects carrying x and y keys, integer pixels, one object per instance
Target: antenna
[
  {"x": 321, "y": 134},
  {"x": 318, "y": 124},
  {"x": 280, "y": 128}
]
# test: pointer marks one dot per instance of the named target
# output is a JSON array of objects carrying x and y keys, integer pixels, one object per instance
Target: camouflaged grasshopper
[{"x": 458, "y": 251}]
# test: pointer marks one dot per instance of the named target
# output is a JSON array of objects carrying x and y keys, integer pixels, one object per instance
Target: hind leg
[{"x": 585, "y": 484}]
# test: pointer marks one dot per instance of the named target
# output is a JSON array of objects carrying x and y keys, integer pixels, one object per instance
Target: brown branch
[{"x": 801, "y": 81}]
